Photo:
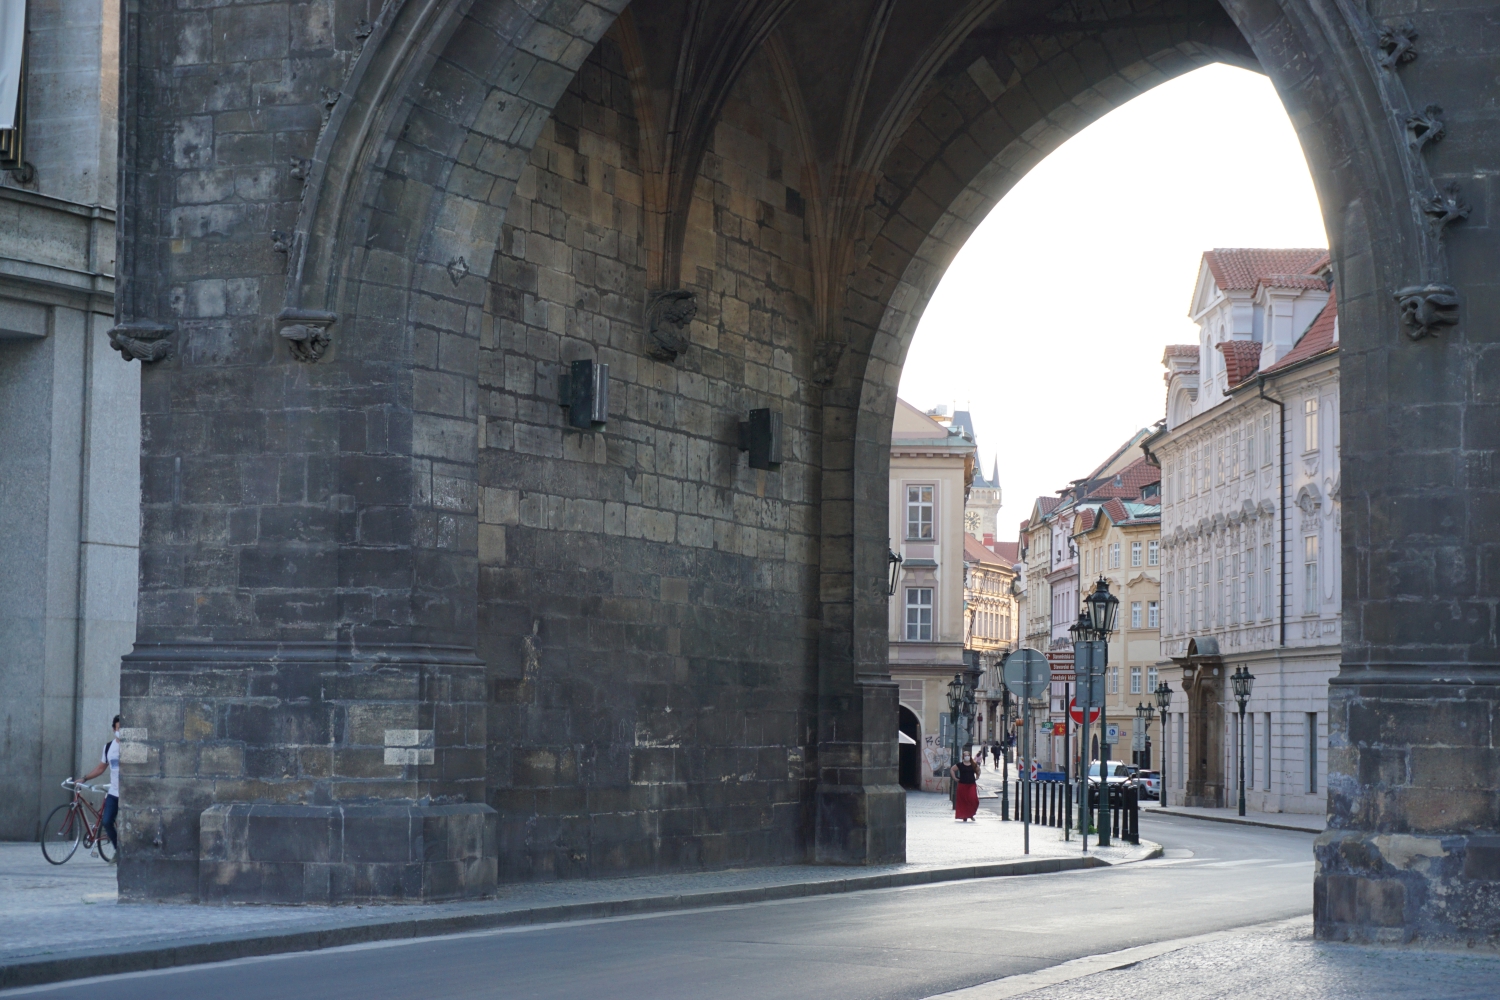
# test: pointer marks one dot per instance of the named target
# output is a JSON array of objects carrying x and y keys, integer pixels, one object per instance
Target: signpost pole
[{"x": 1028, "y": 676}]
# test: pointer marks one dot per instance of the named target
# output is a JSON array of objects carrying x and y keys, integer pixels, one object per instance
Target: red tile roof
[
  {"x": 1179, "y": 351},
  {"x": 975, "y": 551},
  {"x": 1009, "y": 552},
  {"x": 1317, "y": 339},
  {"x": 1244, "y": 269},
  {"x": 1084, "y": 521},
  {"x": 1116, "y": 510},
  {"x": 1293, "y": 281},
  {"x": 1241, "y": 359},
  {"x": 1127, "y": 483}
]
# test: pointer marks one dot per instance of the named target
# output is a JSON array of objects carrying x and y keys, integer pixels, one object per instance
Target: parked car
[
  {"x": 1117, "y": 777},
  {"x": 1150, "y": 784}
]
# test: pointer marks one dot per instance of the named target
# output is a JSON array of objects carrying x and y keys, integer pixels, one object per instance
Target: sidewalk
[
  {"x": 64, "y": 922},
  {"x": 1301, "y": 822},
  {"x": 1278, "y": 959}
]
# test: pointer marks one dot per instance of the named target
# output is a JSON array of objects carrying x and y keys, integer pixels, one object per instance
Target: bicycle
[{"x": 73, "y": 823}]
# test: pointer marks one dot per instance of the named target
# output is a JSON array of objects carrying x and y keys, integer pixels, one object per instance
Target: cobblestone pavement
[
  {"x": 46, "y": 909},
  {"x": 1279, "y": 960}
]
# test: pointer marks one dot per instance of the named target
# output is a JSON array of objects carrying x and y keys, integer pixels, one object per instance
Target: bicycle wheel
[
  {"x": 60, "y": 834},
  {"x": 106, "y": 850}
]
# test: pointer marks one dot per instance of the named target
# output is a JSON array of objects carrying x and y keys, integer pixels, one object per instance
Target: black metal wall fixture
[
  {"x": 583, "y": 391},
  {"x": 761, "y": 437}
]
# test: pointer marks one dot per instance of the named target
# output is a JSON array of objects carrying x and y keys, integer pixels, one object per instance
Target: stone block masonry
[{"x": 359, "y": 242}]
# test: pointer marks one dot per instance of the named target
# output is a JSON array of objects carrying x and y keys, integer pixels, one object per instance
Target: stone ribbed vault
[{"x": 404, "y": 631}]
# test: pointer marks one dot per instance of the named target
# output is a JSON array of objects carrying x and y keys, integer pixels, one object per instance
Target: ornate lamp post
[
  {"x": 1102, "y": 608},
  {"x": 1243, "y": 680},
  {"x": 894, "y": 562},
  {"x": 955, "y": 705},
  {"x": 1144, "y": 714},
  {"x": 1082, "y": 631},
  {"x": 1163, "y": 702}
]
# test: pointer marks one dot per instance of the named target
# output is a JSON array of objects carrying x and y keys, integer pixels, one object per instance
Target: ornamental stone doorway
[{"x": 403, "y": 612}]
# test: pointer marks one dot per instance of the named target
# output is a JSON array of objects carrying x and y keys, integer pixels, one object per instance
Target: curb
[
  {"x": 84, "y": 964},
  {"x": 1233, "y": 820}
]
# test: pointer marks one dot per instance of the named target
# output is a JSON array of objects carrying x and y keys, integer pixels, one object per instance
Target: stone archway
[{"x": 382, "y": 582}]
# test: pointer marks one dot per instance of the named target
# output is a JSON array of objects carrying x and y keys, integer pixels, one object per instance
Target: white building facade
[
  {"x": 70, "y": 410},
  {"x": 1250, "y": 572}
]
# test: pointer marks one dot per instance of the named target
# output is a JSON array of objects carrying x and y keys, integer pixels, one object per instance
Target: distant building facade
[
  {"x": 990, "y": 611},
  {"x": 932, "y": 463},
  {"x": 69, "y": 416},
  {"x": 1250, "y": 530}
]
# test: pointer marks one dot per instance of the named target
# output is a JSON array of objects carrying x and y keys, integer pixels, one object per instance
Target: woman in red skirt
[{"x": 966, "y": 798}]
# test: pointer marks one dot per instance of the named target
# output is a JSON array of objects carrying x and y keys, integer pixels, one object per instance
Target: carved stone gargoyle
[
  {"x": 667, "y": 317},
  {"x": 1397, "y": 45},
  {"x": 1425, "y": 308},
  {"x": 1445, "y": 207},
  {"x": 1425, "y": 127},
  {"x": 306, "y": 332},
  {"x": 141, "y": 341}
]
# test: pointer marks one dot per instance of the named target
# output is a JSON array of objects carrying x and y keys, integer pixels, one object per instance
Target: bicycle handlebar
[{"x": 73, "y": 785}]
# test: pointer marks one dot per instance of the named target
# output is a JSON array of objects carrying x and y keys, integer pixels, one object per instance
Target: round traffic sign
[
  {"x": 1027, "y": 673},
  {"x": 1077, "y": 713}
]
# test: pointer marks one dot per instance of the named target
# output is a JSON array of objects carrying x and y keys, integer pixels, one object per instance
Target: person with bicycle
[{"x": 110, "y": 759}]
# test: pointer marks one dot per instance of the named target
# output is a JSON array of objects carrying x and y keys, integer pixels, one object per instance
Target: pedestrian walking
[{"x": 966, "y": 797}]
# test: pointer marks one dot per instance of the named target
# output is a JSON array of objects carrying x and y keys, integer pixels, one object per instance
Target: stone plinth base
[
  {"x": 861, "y": 825},
  {"x": 1402, "y": 888},
  {"x": 383, "y": 852}
]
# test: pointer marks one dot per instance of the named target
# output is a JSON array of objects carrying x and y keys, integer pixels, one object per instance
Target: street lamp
[
  {"x": 893, "y": 561},
  {"x": 1163, "y": 702},
  {"x": 1102, "y": 607},
  {"x": 955, "y": 703},
  {"x": 1143, "y": 716},
  {"x": 1243, "y": 680}
]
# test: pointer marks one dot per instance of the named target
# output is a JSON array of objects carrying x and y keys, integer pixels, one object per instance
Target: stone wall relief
[{"x": 668, "y": 316}]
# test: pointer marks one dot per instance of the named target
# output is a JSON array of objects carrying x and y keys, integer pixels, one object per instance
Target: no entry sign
[{"x": 1077, "y": 713}]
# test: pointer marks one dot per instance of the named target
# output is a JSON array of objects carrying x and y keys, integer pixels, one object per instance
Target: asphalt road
[{"x": 893, "y": 943}]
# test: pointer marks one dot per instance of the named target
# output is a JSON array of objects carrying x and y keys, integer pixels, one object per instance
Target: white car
[{"x": 1150, "y": 782}]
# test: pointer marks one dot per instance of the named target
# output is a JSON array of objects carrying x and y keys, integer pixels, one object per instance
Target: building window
[
  {"x": 1151, "y": 682},
  {"x": 1135, "y": 680},
  {"x": 919, "y": 512},
  {"x": 1310, "y": 424},
  {"x": 1250, "y": 750},
  {"x": 1135, "y": 553},
  {"x": 1153, "y": 615},
  {"x": 1310, "y": 579},
  {"x": 1153, "y": 553},
  {"x": 1114, "y": 556},
  {"x": 1312, "y": 753},
  {"x": 1266, "y": 439},
  {"x": 1114, "y": 680},
  {"x": 1268, "y": 589},
  {"x": 1266, "y": 784},
  {"x": 1135, "y": 614},
  {"x": 918, "y": 614},
  {"x": 1250, "y": 447}
]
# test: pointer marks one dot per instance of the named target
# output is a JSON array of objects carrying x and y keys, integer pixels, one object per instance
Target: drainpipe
[{"x": 1281, "y": 506}]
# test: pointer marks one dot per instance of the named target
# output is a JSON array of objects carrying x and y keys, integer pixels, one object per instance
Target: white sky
[{"x": 1050, "y": 323}]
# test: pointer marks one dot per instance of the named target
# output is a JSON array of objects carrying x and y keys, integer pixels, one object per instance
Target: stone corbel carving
[
  {"x": 1445, "y": 207},
  {"x": 142, "y": 341},
  {"x": 1425, "y": 127},
  {"x": 826, "y": 360},
  {"x": 1425, "y": 308},
  {"x": 1398, "y": 45},
  {"x": 667, "y": 317},
  {"x": 306, "y": 332}
]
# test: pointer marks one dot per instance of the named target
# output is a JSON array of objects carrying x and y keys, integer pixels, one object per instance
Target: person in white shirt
[{"x": 110, "y": 758}]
